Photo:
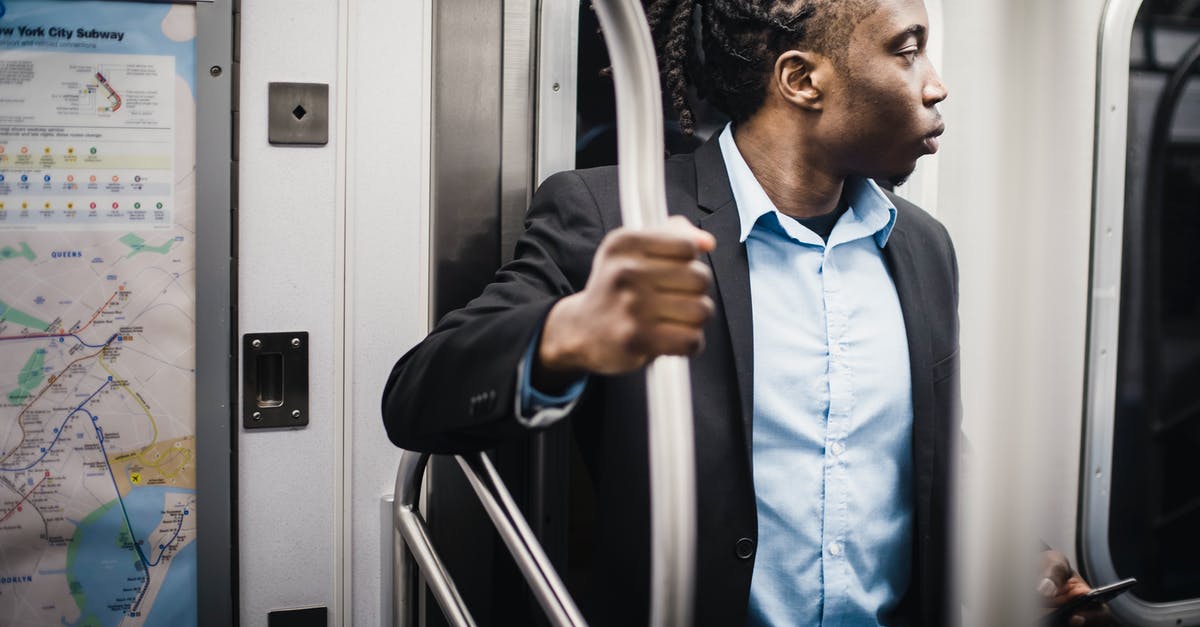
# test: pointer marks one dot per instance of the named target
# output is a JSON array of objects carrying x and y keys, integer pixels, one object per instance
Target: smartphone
[{"x": 1085, "y": 602}]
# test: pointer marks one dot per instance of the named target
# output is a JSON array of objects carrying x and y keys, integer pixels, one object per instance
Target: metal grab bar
[
  {"x": 410, "y": 541},
  {"x": 643, "y": 202},
  {"x": 643, "y": 198},
  {"x": 411, "y": 534}
]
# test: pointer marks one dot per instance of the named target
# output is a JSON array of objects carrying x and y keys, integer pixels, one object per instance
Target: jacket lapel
[
  {"x": 906, "y": 275},
  {"x": 731, "y": 269}
]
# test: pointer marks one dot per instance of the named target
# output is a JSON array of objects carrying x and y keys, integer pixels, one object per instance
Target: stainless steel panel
[
  {"x": 557, "y": 81},
  {"x": 472, "y": 68},
  {"x": 516, "y": 123},
  {"x": 466, "y": 146}
]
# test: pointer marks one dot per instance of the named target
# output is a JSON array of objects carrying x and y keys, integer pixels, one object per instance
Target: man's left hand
[{"x": 1060, "y": 583}]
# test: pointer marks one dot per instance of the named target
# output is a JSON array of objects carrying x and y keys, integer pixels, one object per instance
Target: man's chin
[
  {"x": 895, "y": 172},
  {"x": 894, "y": 175},
  {"x": 901, "y": 178}
]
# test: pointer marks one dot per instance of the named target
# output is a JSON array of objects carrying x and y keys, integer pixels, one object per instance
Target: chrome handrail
[
  {"x": 412, "y": 535},
  {"x": 410, "y": 541},
  {"x": 643, "y": 202},
  {"x": 668, "y": 386}
]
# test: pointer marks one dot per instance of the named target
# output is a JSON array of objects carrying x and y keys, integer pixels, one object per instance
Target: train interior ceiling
[{"x": 222, "y": 222}]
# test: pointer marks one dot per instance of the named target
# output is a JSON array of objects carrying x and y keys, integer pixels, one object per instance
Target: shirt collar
[{"x": 870, "y": 212}]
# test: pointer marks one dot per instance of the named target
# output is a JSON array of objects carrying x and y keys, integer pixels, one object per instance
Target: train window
[{"x": 1141, "y": 498}]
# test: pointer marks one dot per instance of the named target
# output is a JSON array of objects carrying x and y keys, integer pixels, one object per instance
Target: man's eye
[{"x": 910, "y": 54}]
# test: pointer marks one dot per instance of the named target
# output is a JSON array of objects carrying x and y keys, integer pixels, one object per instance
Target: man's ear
[{"x": 800, "y": 78}]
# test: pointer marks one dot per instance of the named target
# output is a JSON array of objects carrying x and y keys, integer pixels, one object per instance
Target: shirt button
[
  {"x": 835, "y": 548},
  {"x": 744, "y": 548},
  {"x": 838, "y": 448}
]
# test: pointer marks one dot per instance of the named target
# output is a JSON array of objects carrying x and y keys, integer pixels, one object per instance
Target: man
[{"x": 820, "y": 313}]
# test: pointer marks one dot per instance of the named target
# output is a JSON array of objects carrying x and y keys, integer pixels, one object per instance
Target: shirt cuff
[{"x": 536, "y": 409}]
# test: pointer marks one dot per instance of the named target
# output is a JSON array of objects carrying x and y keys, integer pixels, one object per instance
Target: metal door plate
[
  {"x": 275, "y": 380},
  {"x": 298, "y": 114}
]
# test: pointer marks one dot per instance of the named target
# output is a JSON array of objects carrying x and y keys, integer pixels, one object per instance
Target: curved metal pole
[
  {"x": 545, "y": 583},
  {"x": 668, "y": 387},
  {"x": 411, "y": 542}
]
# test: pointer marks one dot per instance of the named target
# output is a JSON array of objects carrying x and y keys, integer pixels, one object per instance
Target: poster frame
[{"x": 216, "y": 350}]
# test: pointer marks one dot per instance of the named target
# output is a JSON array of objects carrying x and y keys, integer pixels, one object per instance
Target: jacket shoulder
[
  {"x": 602, "y": 182},
  {"x": 918, "y": 223}
]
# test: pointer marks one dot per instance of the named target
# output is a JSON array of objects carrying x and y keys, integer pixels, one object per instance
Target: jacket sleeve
[{"x": 457, "y": 390}]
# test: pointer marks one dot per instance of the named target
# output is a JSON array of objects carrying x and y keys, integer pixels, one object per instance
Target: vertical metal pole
[{"x": 668, "y": 387}]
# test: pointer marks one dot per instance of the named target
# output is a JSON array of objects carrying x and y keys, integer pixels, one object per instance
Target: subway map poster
[{"x": 97, "y": 332}]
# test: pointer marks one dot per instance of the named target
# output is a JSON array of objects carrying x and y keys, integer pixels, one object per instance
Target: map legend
[{"x": 130, "y": 141}]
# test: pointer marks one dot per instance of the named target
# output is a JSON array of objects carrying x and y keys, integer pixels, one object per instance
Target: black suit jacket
[{"x": 457, "y": 390}]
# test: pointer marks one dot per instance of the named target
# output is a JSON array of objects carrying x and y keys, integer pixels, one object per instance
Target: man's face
[{"x": 881, "y": 109}]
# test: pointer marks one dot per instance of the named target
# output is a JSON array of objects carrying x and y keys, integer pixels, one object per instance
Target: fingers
[
  {"x": 690, "y": 277},
  {"x": 703, "y": 239},
  {"x": 686, "y": 310},
  {"x": 646, "y": 275},
  {"x": 659, "y": 290},
  {"x": 677, "y": 239},
  {"x": 647, "y": 296},
  {"x": 1097, "y": 617},
  {"x": 1056, "y": 571},
  {"x": 1047, "y": 588},
  {"x": 667, "y": 338}
]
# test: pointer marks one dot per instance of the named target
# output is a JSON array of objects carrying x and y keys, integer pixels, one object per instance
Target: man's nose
[{"x": 934, "y": 91}]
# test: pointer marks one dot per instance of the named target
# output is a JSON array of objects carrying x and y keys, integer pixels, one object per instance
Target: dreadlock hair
[{"x": 730, "y": 54}]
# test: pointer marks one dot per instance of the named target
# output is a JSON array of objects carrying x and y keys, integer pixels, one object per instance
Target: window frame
[{"x": 1109, "y": 175}]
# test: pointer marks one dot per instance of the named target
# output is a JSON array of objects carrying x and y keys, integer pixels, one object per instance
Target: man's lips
[{"x": 931, "y": 140}]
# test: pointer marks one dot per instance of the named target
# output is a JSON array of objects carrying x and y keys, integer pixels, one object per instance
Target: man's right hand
[{"x": 647, "y": 296}]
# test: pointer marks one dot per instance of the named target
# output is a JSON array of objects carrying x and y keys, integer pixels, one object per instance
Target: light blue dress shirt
[{"x": 832, "y": 436}]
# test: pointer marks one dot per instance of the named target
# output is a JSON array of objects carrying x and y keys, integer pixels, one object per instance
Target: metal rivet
[
  {"x": 256, "y": 343},
  {"x": 295, "y": 342},
  {"x": 296, "y": 414},
  {"x": 256, "y": 415},
  {"x": 214, "y": 71},
  {"x": 556, "y": 87}
]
